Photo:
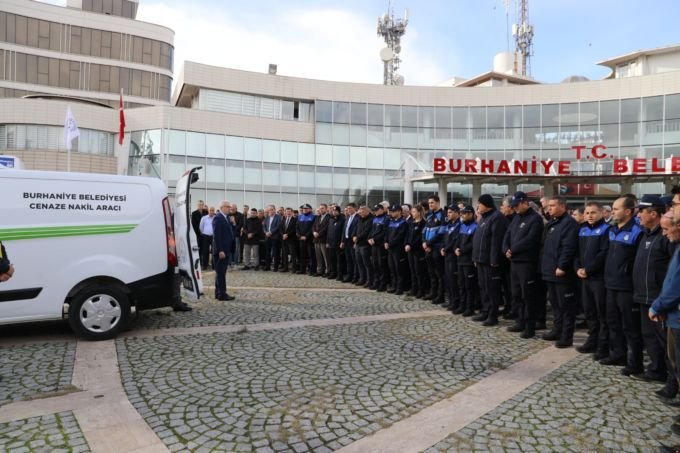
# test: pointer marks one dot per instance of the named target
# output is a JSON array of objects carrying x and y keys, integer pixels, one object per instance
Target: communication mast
[
  {"x": 391, "y": 29},
  {"x": 523, "y": 32}
]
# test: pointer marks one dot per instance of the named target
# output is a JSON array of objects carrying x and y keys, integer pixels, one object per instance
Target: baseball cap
[
  {"x": 395, "y": 207},
  {"x": 378, "y": 206},
  {"x": 468, "y": 208},
  {"x": 453, "y": 207},
  {"x": 517, "y": 198},
  {"x": 306, "y": 206},
  {"x": 667, "y": 200},
  {"x": 649, "y": 201}
]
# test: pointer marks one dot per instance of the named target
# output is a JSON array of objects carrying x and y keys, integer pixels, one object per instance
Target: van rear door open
[{"x": 188, "y": 258}]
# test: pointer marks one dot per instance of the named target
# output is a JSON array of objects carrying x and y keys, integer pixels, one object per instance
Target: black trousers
[
  {"x": 363, "y": 257},
  {"x": 563, "y": 301},
  {"x": 451, "y": 281},
  {"x": 435, "y": 268},
  {"x": 350, "y": 261},
  {"x": 221, "y": 266},
  {"x": 418, "y": 270},
  {"x": 204, "y": 249},
  {"x": 468, "y": 286},
  {"x": 509, "y": 297},
  {"x": 273, "y": 253},
  {"x": 307, "y": 256},
  {"x": 490, "y": 288},
  {"x": 594, "y": 299},
  {"x": 334, "y": 255},
  {"x": 395, "y": 261},
  {"x": 380, "y": 267},
  {"x": 625, "y": 336},
  {"x": 654, "y": 340},
  {"x": 524, "y": 288},
  {"x": 541, "y": 299},
  {"x": 290, "y": 254}
]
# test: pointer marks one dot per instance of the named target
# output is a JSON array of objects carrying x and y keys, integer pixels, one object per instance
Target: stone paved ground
[
  {"x": 251, "y": 278},
  {"x": 50, "y": 434},
  {"x": 305, "y": 389},
  {"x": 33, "y": 369},
  {"x": 580, "y": 407}
]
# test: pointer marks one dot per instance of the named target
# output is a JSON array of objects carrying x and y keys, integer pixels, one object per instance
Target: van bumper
[{"x": 161, "y": 290}]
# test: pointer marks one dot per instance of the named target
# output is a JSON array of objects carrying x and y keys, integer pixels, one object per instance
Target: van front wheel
[{"x": 99, "y": 312}]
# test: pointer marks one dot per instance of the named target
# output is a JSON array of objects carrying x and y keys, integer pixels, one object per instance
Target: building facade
[{"x": 265, "y": 138}]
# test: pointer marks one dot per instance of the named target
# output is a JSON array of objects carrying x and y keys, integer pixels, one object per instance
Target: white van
[{"x": 89, "y": 247}]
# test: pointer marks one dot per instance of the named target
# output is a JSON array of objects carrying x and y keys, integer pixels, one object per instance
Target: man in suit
[
  {"x": 223, "y": 247},
  {"x": 196, "y": 216},
  {"x": 272, "y": 237},
  {"x": 336, "y": 259},
  {"x": 290, "y": 243},
  {"x": 320, "y": 233},
  {"x": 346, "y": 244}
]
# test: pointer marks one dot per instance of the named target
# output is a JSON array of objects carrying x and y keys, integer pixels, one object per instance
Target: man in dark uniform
[
  {"x": 448, "y": 251},
  {"x": 521, "y": 245},
  {"x": 557, "y": 269},
  {"x": 376, "y": 239},
  {"x": 467, "y": 273},
  {"x": 223, "y": 247},
  {"x": 290, "y": 242},
  {"x": 487, "y": 256},
  {"x": 395, "y": 240},
  {"x": 623, "y": 316},
  {"x": 305, "y": 222},
  {"x": 433, "y": 240},
  {"x": 649, "y": 270},
  {"x": 362, "y": 249},
  {"x": 347, "y": 244},
  {"x": 511, "y": 304},
  {"x": 336, "y": 256},
  {"x": 593, "y": 244}
]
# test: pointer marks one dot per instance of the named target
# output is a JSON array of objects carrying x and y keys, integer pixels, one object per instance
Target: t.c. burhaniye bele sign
[{"x": 537, "y": 167}]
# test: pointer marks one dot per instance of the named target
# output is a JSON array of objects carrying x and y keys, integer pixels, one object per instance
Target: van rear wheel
[{"x": 99, "y": 312}]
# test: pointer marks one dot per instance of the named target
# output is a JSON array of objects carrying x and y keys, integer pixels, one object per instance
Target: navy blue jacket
[
  {"x": 433, "y": 234},
  {"x": 668, "y": 301},
  {"x": 336, "y": 228},
  {"x": 397, "y": 230},
  {"x": 618, "y": 269},
  {"x": 305, "y": 222},
  {"x": 223, "y": 235},
  {"x": 651, "y": 263},
  {"x": 593, "y": 245},
  {"x": 350, "y": 229},
  {"x": 523, "y": 237},
  {"x": 559, "y": 248},
  {"x": 451, "y": 238},
  {"x": 379, "y": 230},
  {"x": 487, "y": 242},
  {"x": 362, "y": 230},
  {"x": 415, "y": 234},
  {"x": 466, "y": 234}
]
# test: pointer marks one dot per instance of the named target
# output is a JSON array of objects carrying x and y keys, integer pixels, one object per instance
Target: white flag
[{"x": 70, "y": 129}]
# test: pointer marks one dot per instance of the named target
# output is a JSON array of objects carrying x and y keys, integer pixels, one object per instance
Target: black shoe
[
  {"x": 613, "y": 361},
  {"x": 630, "y": 371},
  {"x": 540, "y": 326},
  {"x": 347, "y": 279},
  {"x": 458, "y": 311},
  {"x": 256, "y": 268},
  {"x": 245, "y": 268},
  {"x": 563, "y": 344},
  {"x": 275, "y": 270},
  {"x": 599, "y": 355},
  {"x": 665, "y": 392},
  {"x": 676, "y": 419},
  {"x": 528, "y": 333},
  {"x": 490, "y": 322},
  {"x": 550, "y": 336},
  {"x": 300, "y": 272},
  {"x": 283, "y": 270},
  {"x": 675, "y": 429},
  {"x": 671, "y": 403},
  {"x": 649, "y": 377},
  {"x": 671, "y": 449},
  {"x": 586, "y": 349},
  {"x": 398, "y": 292},
  {"x": 381, "y": 289},
  {"x": 359, "y": 283},
  {"x": 480, "y": 317},
  {"x": 468, "y": 313},
  {"x": 509, "y": 315},
  {"x": 391, "y": 291},
  {"x": 181, "y": 307},
  {"x": 515, "y": 328},
  {"x": 226, "y": 297},
  {"x": 428, "y": 296}
]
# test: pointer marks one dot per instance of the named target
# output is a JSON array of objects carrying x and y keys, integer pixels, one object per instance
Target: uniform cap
[
  {"x": 649, "y": 201},
  {"x": 379, "y": 206},
  {"x": 468, "y": 208},
  {"x": 667, "y": 200},
  {"x": 306, "y": 206},
  {"x": 517, "y": 198},
  {"x": 395, "y": 207},
  {"x": 453, "y": 207}
]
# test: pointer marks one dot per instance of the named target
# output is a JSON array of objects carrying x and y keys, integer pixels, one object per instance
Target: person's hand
[
  {"x": 428, "y": 249},
  {"x": 442, "y": 252},
  {"x": 508, "y": 254},
  {"x": 285, "y": 237},
  {"x": 269, "y": 234},
  {"x": 354, "y": 239},
  {"x": 582, "y": 273},
  {"x": 4, "y": 277},
  {"x": 656, "y": 317},
  {"x": 494, "y": 265},
  {"x": 250, "y": 235},
  {"x": 387, "y": 246},
  {"x": 407, "y": 248},
  {"x": 303, "y": 238},
  {"x": 559, "y": 272},
  {"x": 371, "y": 241},
  {"x": 425, "y": 246},
  {"x": 457, "y": 252},
  {"x": 342, "y": 245},
  {"x": 10, "y": 272},
  {"x": 222, "y": 255},
  {"x": 316, "y": 234}
]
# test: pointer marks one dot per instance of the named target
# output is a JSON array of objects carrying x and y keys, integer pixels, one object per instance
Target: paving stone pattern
[
  {"x": 255, "y": 306},
  {"x": 33, "y": 369},
  {"x": 269, "y": 279},
  {"x": 305, "y": 389},
  {"x": 52, "y": 433},
  {"x": 582, "y": 406}
]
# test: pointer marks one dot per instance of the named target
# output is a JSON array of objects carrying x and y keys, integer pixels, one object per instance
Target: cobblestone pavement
[
  {"x": 251, "y": 278},
  {"x": 50, "y": 433},
  {"x": 309, "y": 389},
  {"x": 258, "y": 306},
  {"x": 580, "y": 407},
  {"x": 33, "y": 369}
]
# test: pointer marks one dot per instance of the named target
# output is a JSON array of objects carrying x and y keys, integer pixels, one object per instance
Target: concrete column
[
  {"x": 476, "y": 191},
  {"x": 512, "y": 187},
  {"x": 548, "y": 190},
  {"x": 442, "y": 191},
  {"x": 408, "y": 184},
  {"x": 626, "y": 186}
]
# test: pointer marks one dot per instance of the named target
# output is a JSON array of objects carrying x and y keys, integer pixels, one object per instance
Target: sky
[{"x": 337, "y": 40}]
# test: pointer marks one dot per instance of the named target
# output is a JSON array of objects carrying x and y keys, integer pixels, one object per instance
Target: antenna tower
[
  {"x": 523, "y": 32},
  {"x": 391, "y": 29}
]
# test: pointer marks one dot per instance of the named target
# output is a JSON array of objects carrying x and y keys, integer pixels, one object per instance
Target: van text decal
[{"x": 76, "y": 202}]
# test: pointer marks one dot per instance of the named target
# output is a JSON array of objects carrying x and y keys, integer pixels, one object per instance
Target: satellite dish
[
  {"x": 399, "y": 80},
  {"x": 386, "y": 54},
  {"x": 397, "y": 49}
]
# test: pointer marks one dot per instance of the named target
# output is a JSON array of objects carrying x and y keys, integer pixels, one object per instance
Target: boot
[{"x": 516, "y": 327}]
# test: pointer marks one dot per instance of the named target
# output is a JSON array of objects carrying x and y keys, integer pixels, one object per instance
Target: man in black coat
[
  {"x": 448, "y": 251},
  {"x": 272, "y": 237},
  {"x": 362, "y": 249},
  {"x": 336, "y": 256},
  {"x": 305, "y": 222},
  {"x": 557, "y": 270},
  {"x": 196, "y": 217},
  {"x": 223, "y": 247},
  {"x": 378, "y": 253},
  {"x": 395, "y": 239},
  {"x": 487, "y": 256},
  {"x": 521, "y": 245},
  {"x": 593, "y": 244},
  {"x": 290, "y": 242},
  {"x": 347, "y": 244},
  {"x": 320, "y": 232},
  {"x": 467, "y": 274},
  {"x": 649, "y": 270}
]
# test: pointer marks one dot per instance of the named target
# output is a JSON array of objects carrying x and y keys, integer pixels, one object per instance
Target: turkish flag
[{"x": 121, "y": 129}]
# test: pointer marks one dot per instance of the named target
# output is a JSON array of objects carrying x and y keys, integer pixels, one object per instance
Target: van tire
[{"x": 99, "y": 312}]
